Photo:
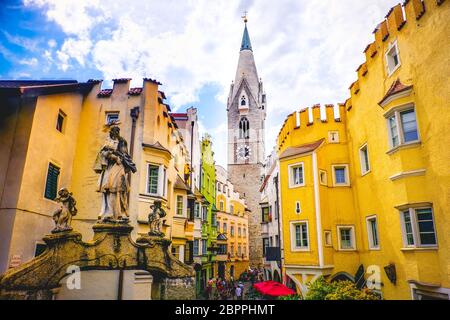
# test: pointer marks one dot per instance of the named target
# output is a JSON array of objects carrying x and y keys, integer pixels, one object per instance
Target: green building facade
[{"x": 208, "y": 212}]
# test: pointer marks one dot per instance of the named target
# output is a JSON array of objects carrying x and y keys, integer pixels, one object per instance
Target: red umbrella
[{"x": 273, "y": 289}]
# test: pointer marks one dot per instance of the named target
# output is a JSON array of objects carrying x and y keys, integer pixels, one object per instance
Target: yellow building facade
[
  {"x": 232, "y": 227},
  {"x": 59, "y": 128},
  {"x": 365, "y": 185}
]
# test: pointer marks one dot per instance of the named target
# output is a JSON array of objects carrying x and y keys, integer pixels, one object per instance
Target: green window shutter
[{"x": 51, "y": 185}]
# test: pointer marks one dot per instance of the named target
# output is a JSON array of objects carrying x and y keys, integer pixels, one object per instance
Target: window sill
[
  {"x": 407, "y": 145},
  {"x": 434, "y": 248},
  {"x": 341, "y": 185},
  {"x": 301, "y": 250},
  {"x": 347, "y": 250},
  {"x": 366, "y": 173},
  {"x": 297, "y": 186},
  {"x": 374, "y": 249}
]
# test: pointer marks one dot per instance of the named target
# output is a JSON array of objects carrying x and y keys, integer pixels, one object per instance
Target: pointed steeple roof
[{"x": 246, "y": 44}]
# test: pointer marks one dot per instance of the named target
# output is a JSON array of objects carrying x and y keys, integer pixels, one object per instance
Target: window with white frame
[
  {"x": 197, "y": 210},
  {"x": 364, "y": 159},
  {"x": 204, "y": 213},
  {"x": 61, "y": 121},
  {"x": 402, "y": 125},
  {"x": 196, "y": 247},
  {"x": 346, "y": 237},
  {"x": 392, "y": 58},
  {"x": 180, "y": 205},
  {"x": 328, "y": 240},
  {"x": 340, "y": 175},
  {"x": 372, "y": 232},
  {"x": 296, "y": 175},
  {"x": 323, "y": 177},
  {"x": 418, "y": 227},
  {"x": 156, "y": 180},
  {"x": 299, "y": 236},
  {"x": 112, "y": 117},
  {"x": 204, "y": 249}
]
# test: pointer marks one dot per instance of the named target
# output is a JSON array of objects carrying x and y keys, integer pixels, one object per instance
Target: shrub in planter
[{"x": 340, "y": 290}]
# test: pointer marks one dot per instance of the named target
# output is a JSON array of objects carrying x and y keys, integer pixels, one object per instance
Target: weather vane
[{"x": 245, "y": 16}]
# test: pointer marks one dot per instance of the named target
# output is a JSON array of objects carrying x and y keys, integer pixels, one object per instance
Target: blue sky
[{"x": 306, "y": 51}]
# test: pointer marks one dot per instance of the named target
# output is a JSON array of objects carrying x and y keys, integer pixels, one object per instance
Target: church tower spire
[
  {"x": 246, "y": 44},
  {"x": 246, "y": 110}
]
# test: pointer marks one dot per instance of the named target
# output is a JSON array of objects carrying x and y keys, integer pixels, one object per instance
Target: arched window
[
  {"x": 243, "y": 101},
  {"x": 244, "y": 129}
]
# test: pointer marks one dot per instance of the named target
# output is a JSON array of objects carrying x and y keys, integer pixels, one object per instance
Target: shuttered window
[{"x": 51, "y": 185}]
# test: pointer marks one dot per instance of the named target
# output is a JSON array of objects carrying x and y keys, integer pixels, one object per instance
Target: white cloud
[
  {"x": 32, "y": 62},
  {"x": 52, "y": 43},
  {"x": 306, "y": 51},
  {"x": 73, "y": 48}
]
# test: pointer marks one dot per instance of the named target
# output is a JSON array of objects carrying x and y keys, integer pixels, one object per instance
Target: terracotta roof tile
[
  {"x": 299, "y": 150},
  {"x": 266, "y": 179},
  {"x": 121, "y": 80},
  {"x": 105, "y": 93},
  {"x": 395, "y": 88},
  {"x": 153, "y": 81},
  {"x": 135, "y": 91}
]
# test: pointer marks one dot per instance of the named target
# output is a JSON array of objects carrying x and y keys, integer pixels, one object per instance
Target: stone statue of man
[
  {"x": 155, "y": 219},
  {"x": 63, "y": 216},
  {"x": 114, "y": 163}
]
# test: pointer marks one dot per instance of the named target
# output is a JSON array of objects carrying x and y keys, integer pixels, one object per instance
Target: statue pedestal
[
  {"x": 119, "y": 228},
  {"x": 153, "y": 240},
  {"x": 60, "y": 237}
]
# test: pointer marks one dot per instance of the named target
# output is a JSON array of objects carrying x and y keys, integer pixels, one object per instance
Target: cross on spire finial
[{"x": 245, "y": 16}]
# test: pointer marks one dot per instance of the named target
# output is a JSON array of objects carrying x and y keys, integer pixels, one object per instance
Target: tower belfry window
[
  {"x": 244, "y": 128},
  {"x": 243, "y": 101}
]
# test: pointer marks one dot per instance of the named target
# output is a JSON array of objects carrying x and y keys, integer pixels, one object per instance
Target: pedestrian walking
[{"x": 239, "y": 293}]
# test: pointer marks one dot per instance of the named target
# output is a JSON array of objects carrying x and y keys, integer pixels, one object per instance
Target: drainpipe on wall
[
  {"x": 275, "y": 181},
  {"x": 317, "y": 205}
]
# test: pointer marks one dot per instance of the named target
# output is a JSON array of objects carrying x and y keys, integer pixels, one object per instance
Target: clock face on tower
[{"x": 243, "y": 152}]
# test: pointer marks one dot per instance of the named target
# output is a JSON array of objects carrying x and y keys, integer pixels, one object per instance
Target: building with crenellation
[{"x": 364, "y": 185}]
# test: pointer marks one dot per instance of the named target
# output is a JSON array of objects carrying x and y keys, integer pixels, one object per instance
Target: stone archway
[{"x": 111, "y": 249}]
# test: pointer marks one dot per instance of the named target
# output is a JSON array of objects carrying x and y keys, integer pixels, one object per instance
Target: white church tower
[{"x": 246, "y": 109}]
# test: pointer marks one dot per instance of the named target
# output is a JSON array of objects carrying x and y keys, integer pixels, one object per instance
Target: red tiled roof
[
  {"x": 153, "y": 81},
  {"x": 105, "y": 93},
  {"x": 163, "y": 95},
  {"x": 266, "y": 179},
  {"x": 121, "y": 80},
  {"x": 135, "y": 91},
  {"x": 179, "y": 116},
  {"x": 395, "y": 88},
  {"x": 299, "y": 150}
]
